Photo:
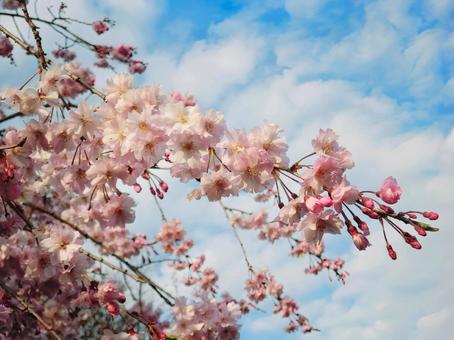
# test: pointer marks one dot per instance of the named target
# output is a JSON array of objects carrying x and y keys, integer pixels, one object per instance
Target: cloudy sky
[{"x": 380, "y": 73}]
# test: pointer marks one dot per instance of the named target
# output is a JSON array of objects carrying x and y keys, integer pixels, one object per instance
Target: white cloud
[
  {"x": 208, "y": 69},
  {"x": 303, "y": 8}
]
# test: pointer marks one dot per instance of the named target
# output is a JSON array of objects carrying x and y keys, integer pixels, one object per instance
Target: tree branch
[{"x": 39, "y": 47}]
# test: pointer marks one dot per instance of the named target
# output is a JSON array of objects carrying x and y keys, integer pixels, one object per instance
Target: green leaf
[{"x": 427, "y": 227}]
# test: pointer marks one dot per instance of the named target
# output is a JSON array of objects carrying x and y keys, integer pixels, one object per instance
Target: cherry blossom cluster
[
  {"x": 60, "y": 23},
  {"x": 67, "y": 183},
  {"x": 261, "y": 285}
]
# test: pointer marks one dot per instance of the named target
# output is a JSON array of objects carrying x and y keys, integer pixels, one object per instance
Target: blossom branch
[
  {"x": 40, "y": 52},
  {"x": 26, "y": 308},
  {"x": 30, "y": 50},
  {"x": 11, "y": 116},
  {"x": 139, "y": 276},
  {"x": 237, "y": 236}
]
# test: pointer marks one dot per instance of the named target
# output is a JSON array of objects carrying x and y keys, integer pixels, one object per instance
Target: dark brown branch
[
  {"x": 39, "y": 47},
  {"x": 11, "y": 116}
]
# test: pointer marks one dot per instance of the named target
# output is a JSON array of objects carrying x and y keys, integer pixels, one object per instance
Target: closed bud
[
  {"x": 113, "y": 308},
  {"x": 430, "y": 215},
  {"x": 362, "y": 225},
  {"x": 392, "y": 254},
  {"x": 364, "y": 228},
  {"x": 386, "y": 209},
  {"x": 370, "y": 213},
  {"x": 160, "y": 194},
  {"x": 369, "y": 203},
  {"x": 153, "y": 192},
  {"x": 351, "y": 229},
  {"x": 137, "y": 188},
  {"x": 420, "y": 230},
  {"x": 164, "y": 186},
  {"x": 412, "y": 241}
]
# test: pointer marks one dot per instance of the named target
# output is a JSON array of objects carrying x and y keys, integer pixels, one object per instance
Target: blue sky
[{"x": 380, "y": 73}]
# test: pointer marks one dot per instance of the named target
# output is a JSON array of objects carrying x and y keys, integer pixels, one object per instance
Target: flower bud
[
  {"x": 370, "y": 213},
  {"x": 386, "y": 209},
  {"x": 392, "y": 254},
  {"x": 113, "y": 308},
  {"x": 430, "y": 215},
  {"x": 153, "y": 192},
  {"x": 411, "y": 240},
  {"x": 137, "y": 187},
  {"x": 362, "y": 225},
  {"x": 160, "y": 194},
  {"x": 369, "y": 203},
  {"x": 419, "y": 230},
  {"x": 164, "y": 186}
]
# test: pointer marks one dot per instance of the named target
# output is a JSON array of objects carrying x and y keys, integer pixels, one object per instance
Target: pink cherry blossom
[
  {"x": 389, "y": 191},
  {"x": 100, "y": 26}
]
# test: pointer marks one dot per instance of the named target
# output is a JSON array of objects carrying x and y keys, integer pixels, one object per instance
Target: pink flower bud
[
  {"x": 430, "y": 215},
  {"x": 326, "y": 263},
  {"x": 113, "y": 308},
  {"x": 411, "y": 240},
  {"x": 412, "y": 215},
  {"x": 122, "y": 52},
  {"x": 420, "y": 230},
  {"x": 137, "y": 187},
  {"x": 153, "y": 192},
  {"x": 369, "y": 203},
  {"x": 364, "y": 228},
  {"x": 5, "y": 47},
  {"x": 370, "y": 213},
  {"x": 392, "y": 254},
  {"x": 102, "y": 63},
  {"x": 160, "y": 194},
  {"x": 386, "y": 209},
  {"x": 362, "y": 225},
  {"x": 136, "y": 66},
  {"x": 164, "y": 186},
  {"x": 100, "y": 27}
]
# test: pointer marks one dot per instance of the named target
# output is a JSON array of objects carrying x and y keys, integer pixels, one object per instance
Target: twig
[
  {"x": 161, "y": 211},
  {"x": 11, "y": 116},
  {"x": 39, "y": 47},
  {"x": 237, "y": 236},
  {"x": 30, "y": 50}
]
